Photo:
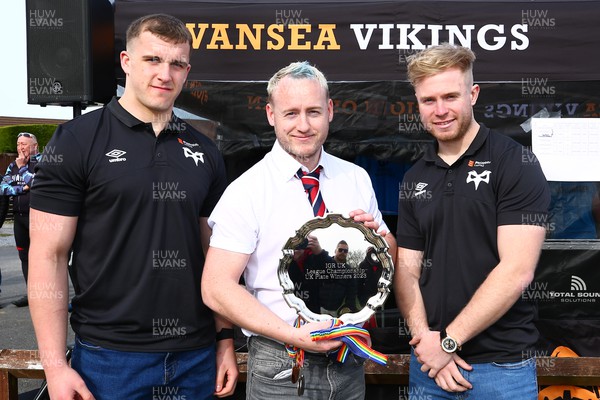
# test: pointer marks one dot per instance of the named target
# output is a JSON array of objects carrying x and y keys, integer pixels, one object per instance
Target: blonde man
[{"x": 466, "y": 246}]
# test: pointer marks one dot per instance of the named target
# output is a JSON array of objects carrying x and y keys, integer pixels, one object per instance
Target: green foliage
[{"x": 8, "y": 135}]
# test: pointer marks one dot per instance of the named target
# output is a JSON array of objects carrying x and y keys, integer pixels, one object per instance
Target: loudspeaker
[{"x": 70, "y": 52}]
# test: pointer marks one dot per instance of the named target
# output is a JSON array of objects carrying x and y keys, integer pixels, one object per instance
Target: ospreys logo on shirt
[
  {"x": 188, "y": 153},
  {"x": 481, "y": 177},
  {"x": 478, "y": 178}
]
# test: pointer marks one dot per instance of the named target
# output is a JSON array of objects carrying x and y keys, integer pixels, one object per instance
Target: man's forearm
[
  {"x": 48, "y": 289},
  {"x": 496, "y": 295},
  {"x": 48, "y": 302},
  {"x": 410, "y": 303},
  {"x": 408, "y": 292},
  {"x": 519, "y": 249},
  {"x": 224, "y": 295},
  {"x": 234, "y": 303}
]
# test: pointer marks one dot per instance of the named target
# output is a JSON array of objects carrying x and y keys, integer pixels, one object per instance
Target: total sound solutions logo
[{"x": 579, "y": 292}]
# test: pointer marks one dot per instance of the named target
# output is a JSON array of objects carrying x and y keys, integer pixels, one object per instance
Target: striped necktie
[{"x": 310, "y": 181}]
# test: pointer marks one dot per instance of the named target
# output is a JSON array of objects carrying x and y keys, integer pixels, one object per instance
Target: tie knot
[
  {"x": 310, "y": 175},
  {"x": 310, "y": 180}
]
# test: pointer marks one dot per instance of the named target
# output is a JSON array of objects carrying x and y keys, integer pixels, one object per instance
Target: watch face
[{"x": 449, "y": 345}]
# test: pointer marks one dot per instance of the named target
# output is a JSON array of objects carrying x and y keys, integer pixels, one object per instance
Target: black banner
[
  {"x": 381, "y": 118},
  {"x": 370, "y": 40},
  {"x": 532, "y": 57},
  {"x": 567, "y": 291}
]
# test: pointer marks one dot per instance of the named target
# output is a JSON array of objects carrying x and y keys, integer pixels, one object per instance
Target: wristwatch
[{"x": 449, "y": 344}]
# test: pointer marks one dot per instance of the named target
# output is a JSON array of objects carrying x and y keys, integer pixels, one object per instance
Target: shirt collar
[
  {"x": 122, "y": 114},
  {"x": 288, "y": 166},
  {"x": 479, "y": 140},
  {"x": 129, "y": 120}
]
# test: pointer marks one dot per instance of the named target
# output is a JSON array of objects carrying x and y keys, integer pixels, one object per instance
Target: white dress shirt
[{"x": 265, "y": 206}]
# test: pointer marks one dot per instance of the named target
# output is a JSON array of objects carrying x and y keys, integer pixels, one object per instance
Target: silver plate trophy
[{"x": 320, "y": 280}]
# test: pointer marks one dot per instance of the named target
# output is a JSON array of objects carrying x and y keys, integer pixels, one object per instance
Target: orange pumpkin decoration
[{"x": 566, "y": 392}]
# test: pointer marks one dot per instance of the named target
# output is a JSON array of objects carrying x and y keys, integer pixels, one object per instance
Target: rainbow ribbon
[
  {"x": 355, "y": 339},
  {"x": 293, "y": 351}
]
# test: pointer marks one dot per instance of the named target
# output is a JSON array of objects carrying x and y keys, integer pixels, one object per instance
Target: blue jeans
[
  {"x": 111, "y": 375},
  {"x": 498, "y": 381},
  {"x": 324, "y": 379}
]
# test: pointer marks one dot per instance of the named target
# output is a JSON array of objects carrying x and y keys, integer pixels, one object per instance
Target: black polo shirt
[
  {"x": 137, "y": 257},
  {"x": 451, "y": 213}
]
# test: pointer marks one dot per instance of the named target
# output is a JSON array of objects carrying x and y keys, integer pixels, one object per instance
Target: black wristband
[{"x": 225, "y": 333}]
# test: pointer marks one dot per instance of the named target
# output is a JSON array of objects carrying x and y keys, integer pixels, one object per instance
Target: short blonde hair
[
  {"x": 436, "y": 59},
  {"x": 297, "y": 70}
]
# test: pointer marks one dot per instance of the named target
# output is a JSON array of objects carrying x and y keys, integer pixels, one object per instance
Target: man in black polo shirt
[
  {"x": 128, "y": 189},
  {"x": 470, "y": 232}
]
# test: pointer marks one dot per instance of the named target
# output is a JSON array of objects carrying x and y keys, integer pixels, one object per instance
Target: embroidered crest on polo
[
  {"x": 188, "y": 144},
  {"x": 116, "y": 155},
  {"x": 196, "y": 156},
  {"x": 478, "y": 178},
  {"x": 473, "y": 163}
]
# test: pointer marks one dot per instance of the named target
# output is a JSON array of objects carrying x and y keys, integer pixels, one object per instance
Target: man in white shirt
[{"x": 256, "y": 215}]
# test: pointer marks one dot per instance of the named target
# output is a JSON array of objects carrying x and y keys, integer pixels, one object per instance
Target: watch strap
[
  {"x": 443, "y": 334},
  {"x": 224, "y": 333}
]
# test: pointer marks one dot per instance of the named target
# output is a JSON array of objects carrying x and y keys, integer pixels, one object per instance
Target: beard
[
  {"x": 464, "y": 124},
  {"x": 302, "y": 154}
]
